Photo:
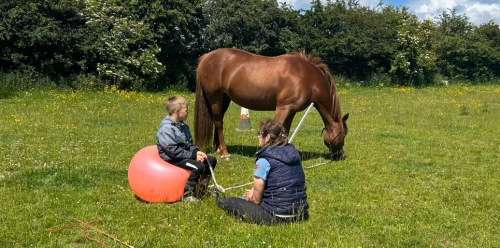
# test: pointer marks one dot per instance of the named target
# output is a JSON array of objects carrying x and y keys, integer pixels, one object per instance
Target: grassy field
[{"x": 422, "y": 171}]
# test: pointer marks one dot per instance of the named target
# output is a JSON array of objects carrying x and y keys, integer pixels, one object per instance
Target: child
[{"x": 175, "y": 145}]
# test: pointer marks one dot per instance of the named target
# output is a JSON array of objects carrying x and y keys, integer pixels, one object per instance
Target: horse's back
[
  {"x": 258, "y": 82},
  {"x": 230, "y": 63},
  {"x": 230, "y": 56}
]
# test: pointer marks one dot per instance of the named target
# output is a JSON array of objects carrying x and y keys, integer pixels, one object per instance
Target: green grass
[{"x": 422, "y": 171}]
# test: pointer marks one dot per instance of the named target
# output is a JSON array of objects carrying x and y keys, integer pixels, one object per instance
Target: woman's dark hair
[{"x": 275, "y": 130}]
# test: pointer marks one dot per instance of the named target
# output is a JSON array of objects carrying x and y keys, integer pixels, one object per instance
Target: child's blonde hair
[{"x": 175, "y": 103}]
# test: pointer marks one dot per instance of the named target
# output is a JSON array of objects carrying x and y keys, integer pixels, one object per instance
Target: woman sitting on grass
[{"x": 279, "y": 193}]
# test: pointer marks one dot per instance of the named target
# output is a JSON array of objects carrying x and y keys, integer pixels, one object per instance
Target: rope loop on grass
[{"x": 239, "y": 186}]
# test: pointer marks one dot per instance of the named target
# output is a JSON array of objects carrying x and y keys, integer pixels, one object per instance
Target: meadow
[{"x": 422, "y": 171}]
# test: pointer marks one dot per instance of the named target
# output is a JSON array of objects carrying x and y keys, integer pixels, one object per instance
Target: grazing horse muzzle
[
  {"x": 336, "y": 148},
  {"x": 335, "y": 155},
  {"x": 339, "y": 156}
]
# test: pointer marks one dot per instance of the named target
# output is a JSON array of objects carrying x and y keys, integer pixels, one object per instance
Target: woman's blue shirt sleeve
[{"x": 261, "y": 169}]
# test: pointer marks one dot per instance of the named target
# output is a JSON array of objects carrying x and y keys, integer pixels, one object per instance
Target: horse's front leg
[
  {"x": 219, "y": 143},
  {"x": 285, "y": 116}
]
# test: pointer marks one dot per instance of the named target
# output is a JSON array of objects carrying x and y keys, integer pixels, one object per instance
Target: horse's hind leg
[
  {"x": 225, "y": 105},
  {"x": 219, "y": 108}
]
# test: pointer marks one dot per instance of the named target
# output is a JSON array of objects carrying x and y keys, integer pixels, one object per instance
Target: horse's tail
[{"x": 203, "y": 125}]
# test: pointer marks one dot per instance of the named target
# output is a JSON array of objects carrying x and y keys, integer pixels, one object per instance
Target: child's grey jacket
[{"x": 174, "y": 141}]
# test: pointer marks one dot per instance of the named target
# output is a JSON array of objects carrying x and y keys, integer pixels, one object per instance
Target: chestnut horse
[{"x": 287, "y": 84}]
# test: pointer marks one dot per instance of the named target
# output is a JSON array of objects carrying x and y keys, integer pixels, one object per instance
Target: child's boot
[
  {"x": 203, "y": 190},
  {"x": 189, "y": 189}
]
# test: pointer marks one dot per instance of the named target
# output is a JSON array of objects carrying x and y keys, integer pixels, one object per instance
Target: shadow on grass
[
  {"x": 249, "y": 151},
  {"x": 141, "y": 200}
]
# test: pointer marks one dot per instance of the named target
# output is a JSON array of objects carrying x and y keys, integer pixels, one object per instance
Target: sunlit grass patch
[
  {"x": 401, "y": 89},
  {"x": 422, "y": 170}
]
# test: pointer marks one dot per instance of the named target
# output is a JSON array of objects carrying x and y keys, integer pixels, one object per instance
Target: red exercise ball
[{"x": 155, "y": 180}]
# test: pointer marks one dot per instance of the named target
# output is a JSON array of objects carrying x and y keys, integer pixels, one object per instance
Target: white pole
[{"x": 300, "y": 123}]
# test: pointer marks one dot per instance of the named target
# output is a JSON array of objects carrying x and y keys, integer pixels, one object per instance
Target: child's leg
[
  {"x": 205, "y": 178},
  {"x": 197, "y": 169}
]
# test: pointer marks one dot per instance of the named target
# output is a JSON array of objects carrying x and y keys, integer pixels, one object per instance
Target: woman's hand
[{"x": 248, "y": 195}]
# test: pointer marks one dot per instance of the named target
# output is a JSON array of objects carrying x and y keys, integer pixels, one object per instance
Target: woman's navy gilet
[{"x": 285, "y": 191}]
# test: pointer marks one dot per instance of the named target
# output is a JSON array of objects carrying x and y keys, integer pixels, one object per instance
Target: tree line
[{"x": 155, "y": 43}]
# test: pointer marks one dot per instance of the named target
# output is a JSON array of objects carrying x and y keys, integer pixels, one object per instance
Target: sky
[{"x": 478, "y": 11}]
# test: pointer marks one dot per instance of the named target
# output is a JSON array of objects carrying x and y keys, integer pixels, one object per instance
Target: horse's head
[{"x": 334, "y": 139}]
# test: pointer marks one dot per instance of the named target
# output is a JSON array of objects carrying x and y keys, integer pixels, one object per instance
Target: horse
[{"x": 286, "y": 84}]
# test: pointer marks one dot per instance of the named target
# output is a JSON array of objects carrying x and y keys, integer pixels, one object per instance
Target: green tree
[
  {"x": 415, "y": 60},
  {"x": 40, "y": 36},
  {"x": 467, "y": 52},
  {"x": 176, "y": 27},
  {"x": 258, "y": 26},
  {"x": 148, "y": 42},
  {"x": 449, "y": 23},
  {"x": 488, "y": 34},
  {"x": 353, "y": 40},
  {"x": 459, "y": 55},
  {"x": 121, "y": 45}
]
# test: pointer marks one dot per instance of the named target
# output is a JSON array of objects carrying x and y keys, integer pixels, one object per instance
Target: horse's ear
[{"x": 344, "y": 119}]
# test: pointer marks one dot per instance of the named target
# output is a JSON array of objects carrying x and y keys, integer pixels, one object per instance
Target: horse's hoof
[{"x": 226, "y": 158}]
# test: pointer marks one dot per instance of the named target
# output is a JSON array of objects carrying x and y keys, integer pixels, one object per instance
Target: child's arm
[
  {"x": 169, "y": 144},
  {"x": 190, "y": 144}
]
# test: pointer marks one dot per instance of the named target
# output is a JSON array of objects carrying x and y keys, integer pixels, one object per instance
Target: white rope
[
  {"x": 217, "y": 187},
  {"x": 312, "y": 166},
  {"x": 239, "y": 186},
  {"x": 221, "y": 189}
]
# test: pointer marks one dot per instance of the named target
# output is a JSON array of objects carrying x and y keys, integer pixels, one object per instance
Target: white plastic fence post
[
  {"x": 245, "y": 120},
  {"x": 300, "y": 123}
]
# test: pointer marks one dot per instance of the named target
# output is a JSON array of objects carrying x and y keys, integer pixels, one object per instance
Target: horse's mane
[
  {"x": 315, "y": 61},
  {"x": 322, "y": 67}
]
